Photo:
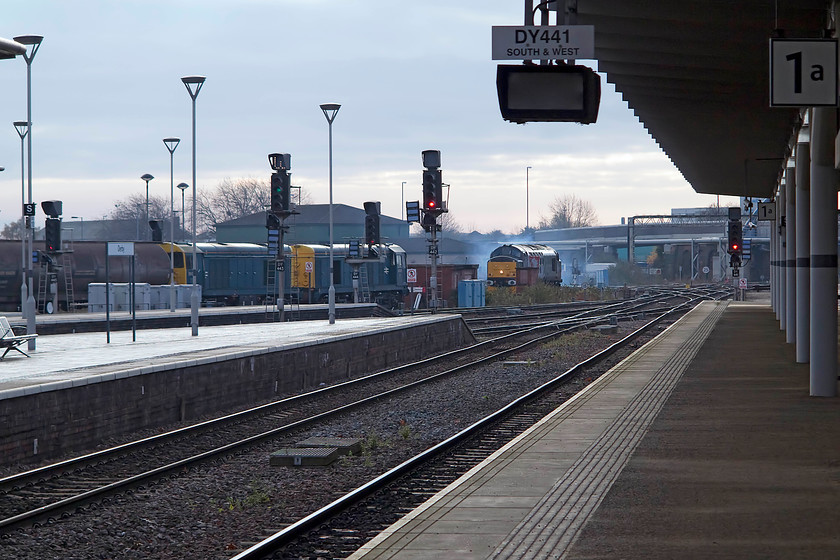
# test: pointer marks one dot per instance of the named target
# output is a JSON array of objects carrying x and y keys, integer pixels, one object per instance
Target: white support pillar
[
  {"x": 803, "y": 246},
  {"x": 824, "y": 181},
  {"x": 790, "y": 259},
  {"x": 781, "y": 258}
]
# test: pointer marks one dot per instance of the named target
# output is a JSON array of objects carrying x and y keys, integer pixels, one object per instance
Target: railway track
[
  {"x": 60, "y": 489},
  {"x": 583, "y": 312},
  {"x": 340, "y": 528}
]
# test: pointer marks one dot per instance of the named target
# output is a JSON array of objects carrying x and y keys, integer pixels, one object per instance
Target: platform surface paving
[
  {"x": 64, "y": 359},
  {"x": 693, "y": 447}
]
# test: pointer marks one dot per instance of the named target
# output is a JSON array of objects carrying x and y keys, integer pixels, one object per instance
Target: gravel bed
[{"x": 212, "y": 511}]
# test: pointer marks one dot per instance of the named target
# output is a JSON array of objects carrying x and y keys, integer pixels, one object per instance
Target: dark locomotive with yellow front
[{"x": 517, "y": 265}]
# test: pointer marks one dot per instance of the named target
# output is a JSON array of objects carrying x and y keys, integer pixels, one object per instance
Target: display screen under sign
[{"x": 545, "y": 91}]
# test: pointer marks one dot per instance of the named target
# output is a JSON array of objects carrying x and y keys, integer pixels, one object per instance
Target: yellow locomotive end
[
  {"x": 303, "y": 266},
  {"x": 179, "y": 262},
  {"x": 501, "y": 274}
]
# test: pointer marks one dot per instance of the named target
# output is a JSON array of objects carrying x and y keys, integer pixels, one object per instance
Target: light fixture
[
  {"x": 171, "y": 144},
  {"x": 193, "y": 85},
  {"x": 330, "y": 111}
]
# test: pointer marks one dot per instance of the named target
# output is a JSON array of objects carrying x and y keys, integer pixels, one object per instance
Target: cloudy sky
[{"x": 410, "y": 76}]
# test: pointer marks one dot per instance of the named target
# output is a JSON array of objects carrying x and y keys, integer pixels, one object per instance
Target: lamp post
[
  {"x": 330, "y": 111},
  {"x": 82, "y": 220},
  {"x": 33, "y": 41},
  {"x": 22, "y": 128},
  {"x": 193, "y": 85},
  {"x": 146, "y": 177},
  {"x": 402, "y": 202},
  {"x": 171, "y": 144},
  {"x": 527, "y": 189},
  {"x": 183, "y": 187}
]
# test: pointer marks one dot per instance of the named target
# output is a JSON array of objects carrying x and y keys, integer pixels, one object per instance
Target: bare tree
[
  {"x": 12, "y": 230},
  {"x": 231, "y": 199},
  {"x": 128, "y": 218},
  {"x": 449, "y": 225},
  {"x": 569, "y": 211},
  {"x": 134, "y": 206},
  {"x": 300, "y": 196}
]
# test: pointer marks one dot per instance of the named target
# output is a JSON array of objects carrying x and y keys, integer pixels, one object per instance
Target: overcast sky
[{"x": 410, "y": 76}]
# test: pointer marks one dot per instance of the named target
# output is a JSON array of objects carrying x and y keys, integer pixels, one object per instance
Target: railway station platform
[
  {"x": 78, "y": 389},
  {"x": 78, "y": 322},
  {"x": 702, "y": 444}
]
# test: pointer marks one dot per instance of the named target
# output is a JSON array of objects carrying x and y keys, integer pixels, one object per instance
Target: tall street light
[
  {"x": 171, "y": 144},
  {"x": 183, "y": 187},
  {"x": 146, "y": 177},
  {"x": 527, "y": 189},
  {"x": 33, "y": 41},
  {"x": 330, "y": 111},
  {"x": 22, "y": 128},
  {"x": 402, "y": 202},
  {"x": 193, "y": 85}
]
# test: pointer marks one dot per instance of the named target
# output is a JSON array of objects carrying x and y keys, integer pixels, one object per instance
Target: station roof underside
[{"x": 696, "y": 74}]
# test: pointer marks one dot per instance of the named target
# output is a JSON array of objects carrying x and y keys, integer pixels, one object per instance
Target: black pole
[
  {"x": 131, "y": 287},
  {"x": 281, "y": 270},
  {"x": 107, "y": 297}
]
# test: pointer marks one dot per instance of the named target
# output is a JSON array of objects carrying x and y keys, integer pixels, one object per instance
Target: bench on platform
[{"x": 11, "y": 341}]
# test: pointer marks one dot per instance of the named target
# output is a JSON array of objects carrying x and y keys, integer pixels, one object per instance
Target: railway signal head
[
  {"x": 428, "y": 189},
  {"x": 52, "y": 235},
  {"x": 372, "y": 236},
  {"x": 735, "y": 241},
  {"x": 272, "y": 222},
  {"x": 280, "y": 191},
  {"x": 432, "y": 190}
]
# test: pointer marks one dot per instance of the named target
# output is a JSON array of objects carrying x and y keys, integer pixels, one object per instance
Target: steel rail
[
  {"x": 42, "y": 473},
  {"x": 180, "y": 465},
  {"x": 293, "y": 531}
]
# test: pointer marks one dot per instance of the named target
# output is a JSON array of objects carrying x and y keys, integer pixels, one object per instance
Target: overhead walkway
[{"x": 703, "y": 444}]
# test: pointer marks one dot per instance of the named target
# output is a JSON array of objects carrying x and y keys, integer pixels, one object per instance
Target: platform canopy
[{"x": 696, "y": 74}]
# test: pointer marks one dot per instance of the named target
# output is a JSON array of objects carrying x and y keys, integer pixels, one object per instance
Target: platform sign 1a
[
  {"x": 766, "y": 211},
  {"x": 803, "y": 72}
]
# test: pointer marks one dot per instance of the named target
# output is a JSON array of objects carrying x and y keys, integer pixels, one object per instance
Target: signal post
[
  {"x": 735, "y": 241},
  {"x": 433, "y": 206},
  {"x": 52, "y": 246},
  {"x": 279, "y": 210},
  {"x": 355, "y": 257}
]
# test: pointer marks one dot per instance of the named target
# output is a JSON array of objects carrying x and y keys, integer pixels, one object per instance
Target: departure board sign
[{"x": 543, "y": 42}]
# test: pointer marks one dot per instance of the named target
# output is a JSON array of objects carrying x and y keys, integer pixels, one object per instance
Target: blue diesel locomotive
[{"x": 245, "y": 273}]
